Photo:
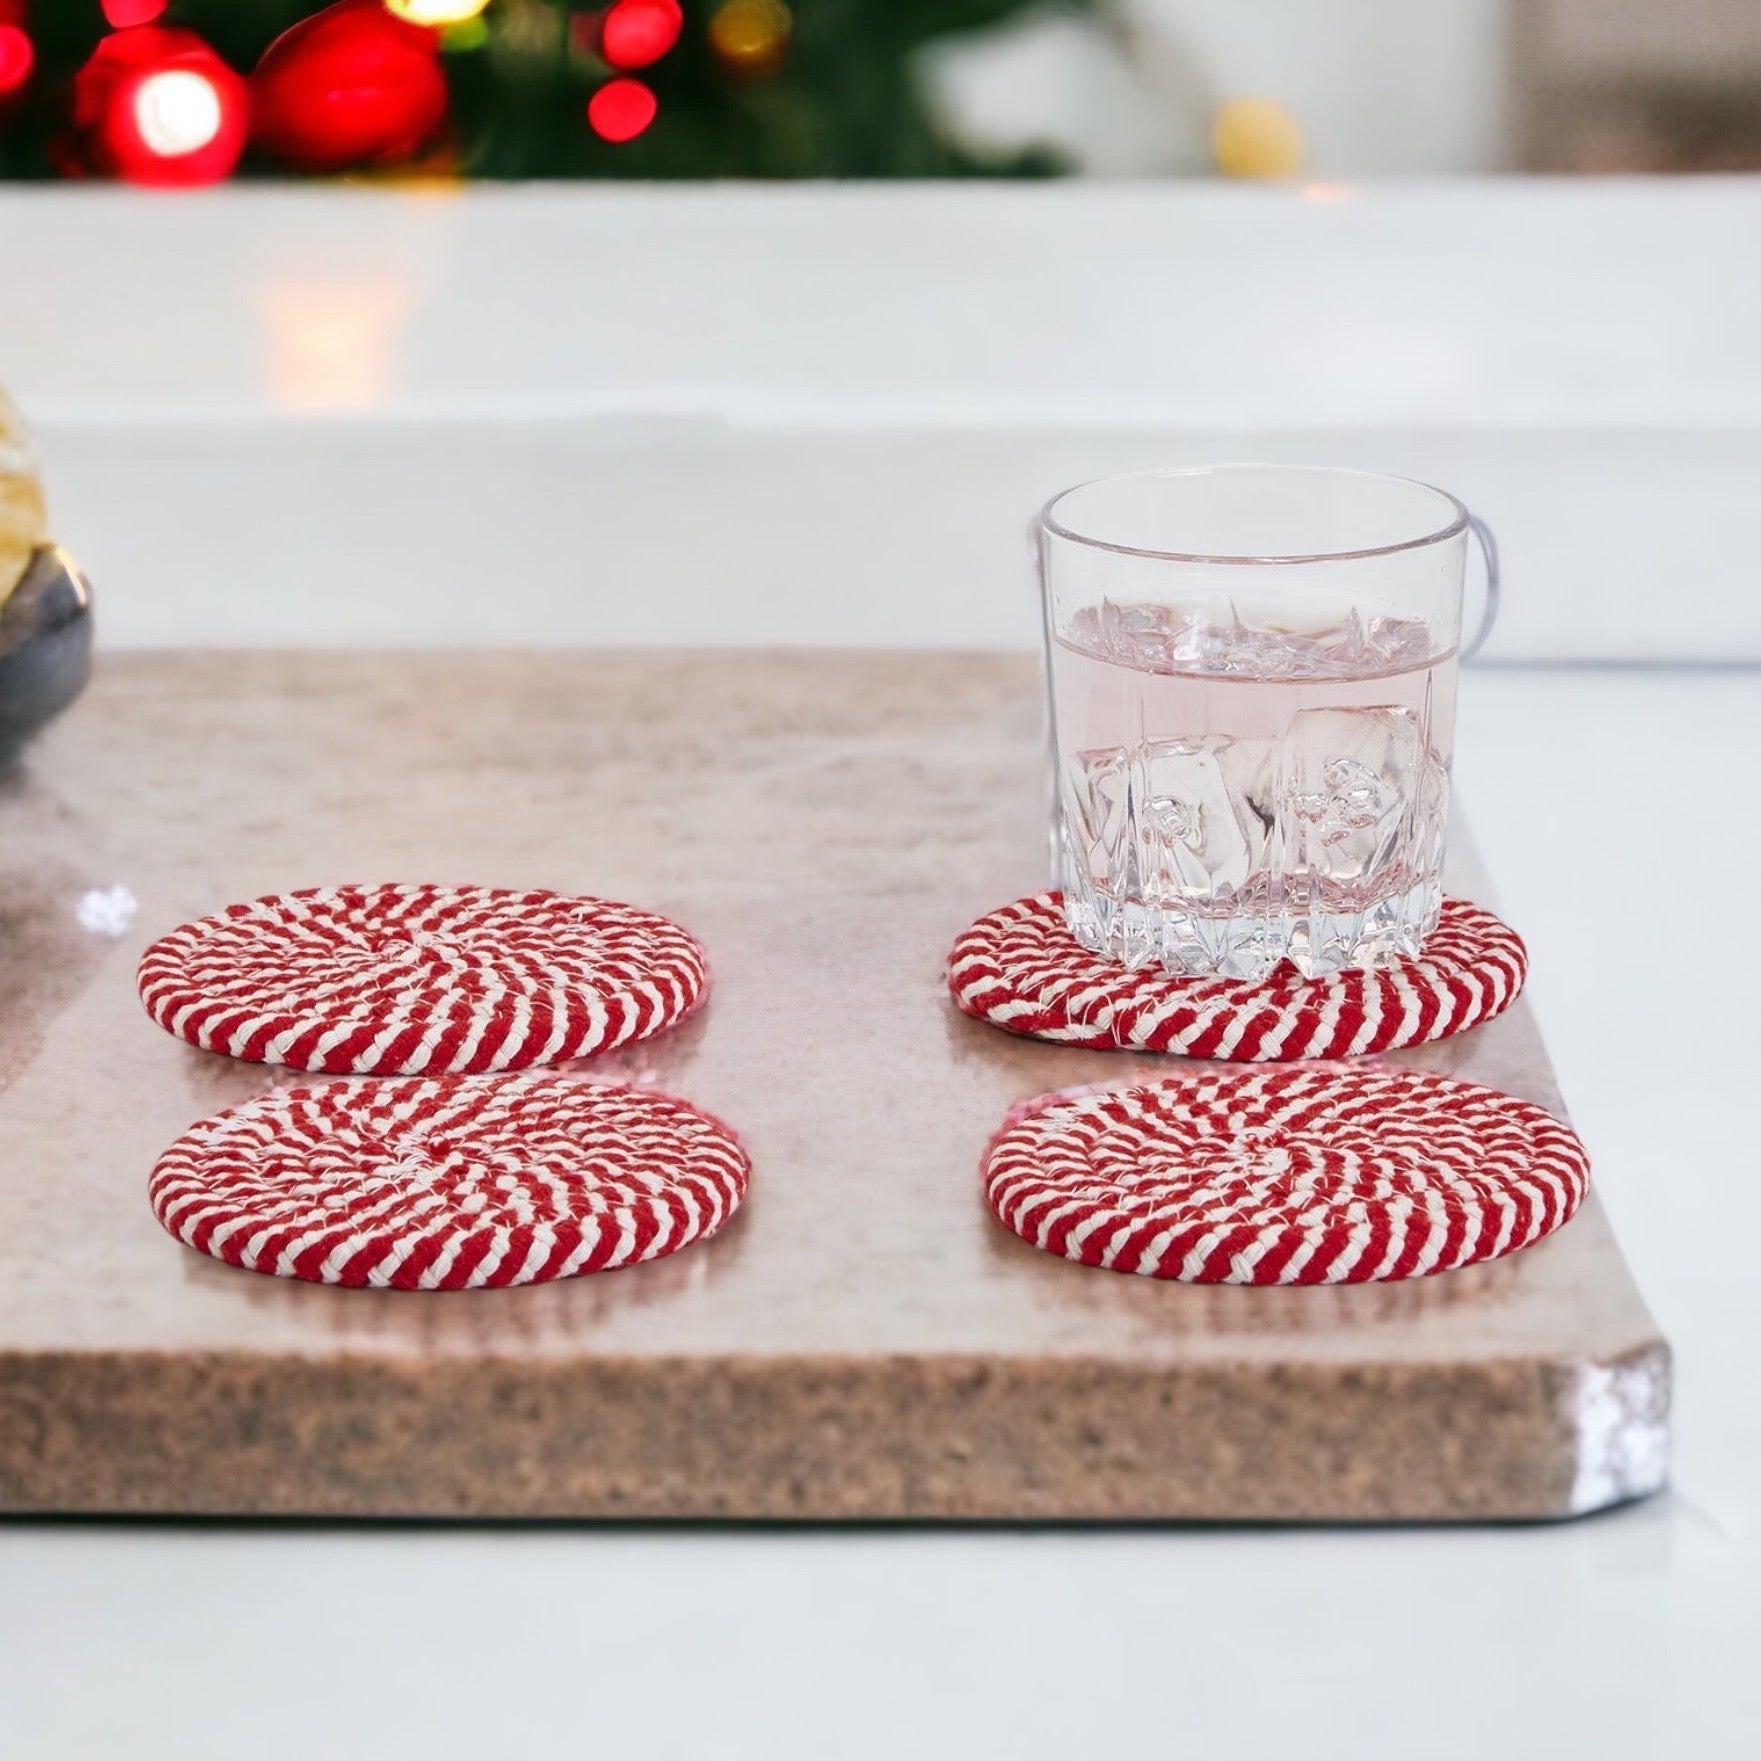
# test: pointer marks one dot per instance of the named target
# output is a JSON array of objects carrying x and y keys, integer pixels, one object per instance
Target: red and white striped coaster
[
  {"x": 419, "y": 980},
  {"x": 456, "y": 1184},
  {"x": 1290, "y": 1176},
  {"x": 1021, "y": 969}
]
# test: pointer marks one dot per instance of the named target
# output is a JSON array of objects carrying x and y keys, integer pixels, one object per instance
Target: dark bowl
[{"x": 45, "y": 647}]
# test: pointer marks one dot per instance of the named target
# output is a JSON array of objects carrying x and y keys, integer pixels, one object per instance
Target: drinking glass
[{"x": 1251, "y": 673}]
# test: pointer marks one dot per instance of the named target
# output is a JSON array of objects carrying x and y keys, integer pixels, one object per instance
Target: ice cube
[
  {"x": 1395, "y": 644},
  {"x": 1353, "y": 786},
  {"x": 1201, "y": 830},
  {"x": 1352, "y": 797},
  {"x": 1144, "y": 637}
]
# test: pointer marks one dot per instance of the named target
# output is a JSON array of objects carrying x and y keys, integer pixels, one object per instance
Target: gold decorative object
[{"x": 24, "y": 521}]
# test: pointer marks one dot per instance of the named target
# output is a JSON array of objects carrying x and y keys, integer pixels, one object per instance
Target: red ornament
[
  {"x": 17, "y": 58},
  {"x": 636, "y": 32},
  {"x": 352, "y": 85},
  {"x": 621, "y": 110},
  {"x": 158, "y": 106},
  {"x": 120, "y": 14}
]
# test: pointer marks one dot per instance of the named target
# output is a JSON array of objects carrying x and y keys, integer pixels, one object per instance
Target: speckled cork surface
[{"x": 863, "y": 1341}]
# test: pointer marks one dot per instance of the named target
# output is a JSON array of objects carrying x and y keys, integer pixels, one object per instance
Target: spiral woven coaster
[
  {"x": 455, "y": 1184},
  {"x": 1020, "y": 968},
  {"x": 412, "y": 981},
  {"x": 1292, "y": 1176}
]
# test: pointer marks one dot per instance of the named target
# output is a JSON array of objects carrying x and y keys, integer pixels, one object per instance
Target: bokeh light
[
  {"x": 750, "y": 36},
  {"x": 621, "y": 110},
  {"x": 17, "y": 58},
  {"x": 121, "y": 14},
  {"x": 1256, "y": 137},
  {"x": 436, "y": 12},
  {"x": 178, "y": 111},
  {"x": 351, "y": 85},
  {"x": 636, "y": 32},
  {"x": 157, "y": 105}
]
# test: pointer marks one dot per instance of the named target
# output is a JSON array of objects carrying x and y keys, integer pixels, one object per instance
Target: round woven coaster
[
  {"x": 1020, "y": 968},
  {"x": 1285, "y": 1176},
  {"x": 455, "y": 1184},
  {"x": 411, "y": 981}
]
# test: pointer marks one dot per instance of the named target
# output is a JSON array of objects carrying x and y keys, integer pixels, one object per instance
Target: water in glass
[{"x": 1235, "y": 794}]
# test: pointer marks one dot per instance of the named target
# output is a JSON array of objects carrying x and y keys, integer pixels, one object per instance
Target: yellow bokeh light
[
  {"x": 436, "y": 12},
  {"x": 750, "y": 36},
  {"x": 1256, "y": 137}
]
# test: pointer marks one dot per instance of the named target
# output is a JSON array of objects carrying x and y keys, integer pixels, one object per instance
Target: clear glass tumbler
[{"x": 1252, "y": 683}]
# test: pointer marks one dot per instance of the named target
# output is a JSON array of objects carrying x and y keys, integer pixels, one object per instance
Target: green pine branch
[{"x": 847, "y": 100}]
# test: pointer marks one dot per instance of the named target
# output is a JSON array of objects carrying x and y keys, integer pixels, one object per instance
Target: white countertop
[
  {"x": 1626, "y": 1636},
  {"x": 311, "y": 416},
  {"x": 1449, "y": 301}
]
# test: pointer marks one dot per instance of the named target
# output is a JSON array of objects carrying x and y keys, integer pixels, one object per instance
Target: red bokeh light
[
  {"x": 636, "y": 32},
  {"x": 351, "y": 85},
  {"x": 120, "y": 14},
  {"x": 17, "y": 58},
  {"x": 138, "y": 124},
  {"x": 621, "y": 110}
]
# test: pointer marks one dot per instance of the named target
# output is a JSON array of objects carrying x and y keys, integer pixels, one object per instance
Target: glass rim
[{"x": 1457, "y": 524}]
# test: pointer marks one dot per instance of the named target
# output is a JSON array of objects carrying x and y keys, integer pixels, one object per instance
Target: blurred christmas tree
[{"x": 169, "y": 91}]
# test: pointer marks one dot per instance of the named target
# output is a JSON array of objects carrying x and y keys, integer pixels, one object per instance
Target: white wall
[{"x": 1409, "y": 87}]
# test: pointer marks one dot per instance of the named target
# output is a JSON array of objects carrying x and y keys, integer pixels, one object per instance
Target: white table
[
  {"x": 1631, "y": 1635},
  {"x": 1625, "y": 1636}
]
